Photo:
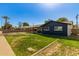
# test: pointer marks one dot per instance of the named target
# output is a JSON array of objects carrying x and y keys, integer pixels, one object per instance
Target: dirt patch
[
  {"x": 50, "y": 50},
  {"x": 15, "y": 42},
  {"x": 67, "y": 51},
  {"x": 15, "y": 33},
  {"x": 58, "y": 49}
]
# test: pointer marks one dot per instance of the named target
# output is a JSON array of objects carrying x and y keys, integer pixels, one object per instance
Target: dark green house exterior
[{"x": 55, "y": 28}]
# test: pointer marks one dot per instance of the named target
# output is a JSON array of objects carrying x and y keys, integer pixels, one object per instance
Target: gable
[{"x": 51, "y": 23}]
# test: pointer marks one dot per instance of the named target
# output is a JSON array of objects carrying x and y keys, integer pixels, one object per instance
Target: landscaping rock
[{"x": 31, "y": 49}]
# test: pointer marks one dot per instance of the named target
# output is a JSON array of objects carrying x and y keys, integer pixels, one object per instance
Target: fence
[
  {"x": 15, "y": 30},
  {"x": 75, "y": 31},
  {"x": 31, "y": 30}
]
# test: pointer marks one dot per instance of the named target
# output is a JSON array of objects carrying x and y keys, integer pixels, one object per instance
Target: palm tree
[{"x": 6, "y": 18}]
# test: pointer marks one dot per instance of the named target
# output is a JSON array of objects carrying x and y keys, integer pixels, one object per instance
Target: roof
[{"x": 67, "y": 23}]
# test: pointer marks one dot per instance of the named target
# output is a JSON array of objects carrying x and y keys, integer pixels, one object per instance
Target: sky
[{"x": 37, "y": 13}]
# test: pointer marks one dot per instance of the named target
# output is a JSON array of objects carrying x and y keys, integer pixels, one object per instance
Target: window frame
[
  {"x": 58, "y": 28},
  {"x": 46, "y": 29}
]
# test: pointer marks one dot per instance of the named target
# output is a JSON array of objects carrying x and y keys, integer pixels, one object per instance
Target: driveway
[{"x": 5, "y": 49}]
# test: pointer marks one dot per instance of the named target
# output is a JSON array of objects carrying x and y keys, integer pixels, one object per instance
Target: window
[
  {"x": 46, "y": 29},
  {"x": 40, "y": 29},
  {"x": 58, "y": 28}
]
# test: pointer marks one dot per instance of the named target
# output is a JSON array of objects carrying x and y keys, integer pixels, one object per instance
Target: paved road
[{"x": 5, "y": 49}]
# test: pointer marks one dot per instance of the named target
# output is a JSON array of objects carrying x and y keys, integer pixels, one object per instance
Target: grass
[
  {"x": 66, "y": 41},
  {"x": 21, "y": 42},
  {"x": 68, "y": 48},
  {"x": 72, "y": 43}
]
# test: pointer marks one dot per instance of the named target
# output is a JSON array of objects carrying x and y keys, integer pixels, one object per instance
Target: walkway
[{"x": 5, "y": 49}]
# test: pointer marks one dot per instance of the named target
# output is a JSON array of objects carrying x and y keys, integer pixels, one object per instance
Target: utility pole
[
  {"x": 77, "y": 21},
  {"x": 33, "y": 28}
]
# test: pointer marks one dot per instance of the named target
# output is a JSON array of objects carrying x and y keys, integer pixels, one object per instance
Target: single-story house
[
  {"x": 56, "y": 28},
  {"x": 31, "y": 29}
]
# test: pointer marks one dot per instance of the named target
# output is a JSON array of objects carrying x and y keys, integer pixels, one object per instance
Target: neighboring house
[
  {"x": 56, "y": 28},
  {"x": 75, "y": 30},
  {"x": 32, "y": 29},
  {"x": 75, "y": 26}
]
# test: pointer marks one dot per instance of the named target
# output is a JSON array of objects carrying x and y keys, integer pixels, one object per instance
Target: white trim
[{"x": 69, "y": 28}]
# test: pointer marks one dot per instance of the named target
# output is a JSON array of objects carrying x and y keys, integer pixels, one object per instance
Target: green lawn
[
  {"x": 20, "y": 43},
  {"x": 72, "y": 43}
]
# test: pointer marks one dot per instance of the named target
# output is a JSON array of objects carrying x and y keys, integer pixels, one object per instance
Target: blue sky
[{"x": 34, "y": 13}]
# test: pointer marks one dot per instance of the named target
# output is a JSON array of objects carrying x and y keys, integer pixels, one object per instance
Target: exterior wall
[
  {"x": 51, "y": 31},
  {"x": 69, "y": 30}
]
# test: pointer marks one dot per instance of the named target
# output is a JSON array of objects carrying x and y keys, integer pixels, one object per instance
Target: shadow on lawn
[{"x": 60, "y": 37}]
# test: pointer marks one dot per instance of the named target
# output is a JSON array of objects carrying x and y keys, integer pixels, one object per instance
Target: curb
[{"x": 43, "y": 48}]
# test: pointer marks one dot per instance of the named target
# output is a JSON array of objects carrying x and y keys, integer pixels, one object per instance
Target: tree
[
  {"x": 6, "y": 22},
  {"x": 46, "y": 21},
  {"x": 62, "y": 19},
  {"x": 6, "y": 19},
  {"x": 7, "y": 26},
  {"x": 25, "y": 24}
]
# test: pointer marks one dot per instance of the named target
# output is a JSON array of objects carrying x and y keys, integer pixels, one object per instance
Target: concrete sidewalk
[{"x": 5, "y": 49}]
